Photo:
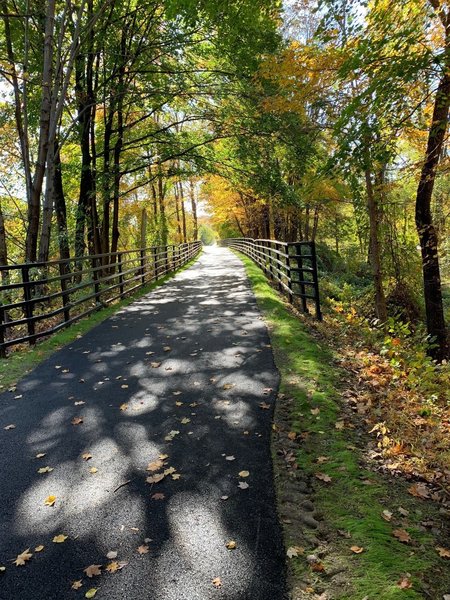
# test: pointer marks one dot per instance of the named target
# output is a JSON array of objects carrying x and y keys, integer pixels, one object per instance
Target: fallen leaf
[
  {"x": 77, "y": 420},
  {"x": 176, "y": 476},
  {"x": 387, "y": 515},
  {"x": 185, "y": 421},
  {"x": 91, "y": 593},
  {"x": 229, "y": 458},
  {"x": 39, "y": 548},
  {"x": 112, "y": 554},
  {"x": 322, "y": 459},
  {"x": 123, "y": 407},
  {"x": 294, "y": 551},
  {"x": 143, "y": 549},
  {"x": 155, "y": 465},
  {"x": 50, "y": 500},
  {"x": 86, "y": 456},
  {"x": 315, "y": 411},
  {"x": 76, "y": 584},
  {"x": 318, "y": 567},
  {"x": 231, "y": 545},
  {"x": 243, "y": 485},
  {"x": 93, "y": 470},
  {"x": 45, "y": 470},
  {"x": 2, "y": 569},
  {"x": 217, "y": 582},
  {"x": 23, "y": 558},
  {"x": 404, "y": 583},
  {"x": 339, "y": 425},
  {"x": 323, "y": 477},
  {"x": 124, "y": 387},
  {"x": 163, "y": 456},
  {"x": 158, "y": 496},
  {"x": 93, "y": 570},
  {"x": 112, "y": 567},
  {"x": 155, "y": 478},
  {"x": 41, "y": 455},
  {"x": 8, "y": 427},
  {"x": 356, "y": 549},
  {"x": 169, "y": 437},
  {"x": 443, "y": 552},
  {"x": 264, "y": 405},
  {"x": 228, "y": 386},
  {"x": 177, "y": 393},
  {"x": 402, "y": 535},
  {"x": 224, "y": 497},
  {"x": 59, "y": 539},
  {"x": 292, "y": 435},
  {"x": 403, "y": 511},
  {"x": 155, "y": 365},
  {"x": 79, "y": 403},
  {"x": 419, "y": 490},
  {"x": 244, "y": 473},
  {"x": 167, "y": 348}
]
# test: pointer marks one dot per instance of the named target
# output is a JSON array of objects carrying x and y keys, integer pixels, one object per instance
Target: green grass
[
  {"x": 21, "y": 362},
  {"x": 309, "y": 376}
]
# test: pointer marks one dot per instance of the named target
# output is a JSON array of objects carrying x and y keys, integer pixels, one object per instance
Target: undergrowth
[{"x": 353, "y": 503}]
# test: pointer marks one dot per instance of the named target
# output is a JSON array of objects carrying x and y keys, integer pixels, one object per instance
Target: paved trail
[{"x": 221, "y": 362}]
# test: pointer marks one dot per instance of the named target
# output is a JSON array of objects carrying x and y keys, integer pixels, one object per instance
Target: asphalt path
[{"x": 177, "y": 387}]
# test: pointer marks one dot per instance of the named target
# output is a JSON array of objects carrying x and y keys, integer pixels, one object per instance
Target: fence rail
[
  {"x": 292, "y": 266},
  {"x": 38, "y": 299}
]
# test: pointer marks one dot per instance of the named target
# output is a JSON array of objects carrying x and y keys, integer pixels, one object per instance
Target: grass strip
[
  {"x": 354, "y": 501},
  {"x": 22, "y": 361}
]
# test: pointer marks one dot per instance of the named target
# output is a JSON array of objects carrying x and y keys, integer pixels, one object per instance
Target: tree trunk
[
  {"x": 424, "y": 220},
  {"x": 374, "y": 248},
  {"x": 177, "y": 213},
  {"x": 60, "y": 209},
  {"x": 183, "y": 212},
  {"x": 47, "y": 209},
  {"x": 194, "y": 210},
  {"x": 44, "y": 129}
]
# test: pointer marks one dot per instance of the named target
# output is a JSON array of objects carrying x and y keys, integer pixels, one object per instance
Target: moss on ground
[
  {"x": 23, "y": 360},
  {"x": 356, "y": 497}
]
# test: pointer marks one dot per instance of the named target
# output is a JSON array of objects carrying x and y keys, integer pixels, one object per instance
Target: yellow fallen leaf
[
  {"x": 294, "y": 551},
  {"x": 45, "y": 470},
  {"x": 86, "y": 456},
  {"x": 91, "y": 593},
  {"x": 244, "y": 473},
  {"x": 93, "y": 470},
  {"x": 356, "y": 549},
  {"x": 60, "y": 539},
  {"x": 123, "y": 406},
  {"x": 231, "y": 545},
  {"x": 23, "y": 557},
  {"x": 50, "y": 500},
  {"x": 41, "y": 455},
  {"x": 217, "y": 582},
  {"x": 39, "y": 548}
]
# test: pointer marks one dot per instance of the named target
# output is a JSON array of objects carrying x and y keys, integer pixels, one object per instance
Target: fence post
[
  {"x": 155, "y": 262},
  {"x": 289, "y": 275},
  {"x": 28, "y": 309},
  {"x": 64, "y": 271},
  {"x": 119, "y": 269},
  {"x": 95, "y": 280},
  {"x": 298, "y": 252},
  {"x": 316, "y": 281},
  {"x": 2, "y": 332},
  {"x": 142, "y": 260}
]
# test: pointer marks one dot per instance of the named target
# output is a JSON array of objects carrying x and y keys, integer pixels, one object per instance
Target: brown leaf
[
  {"x": 315, "y": 411},
  {"x": 387, "y": 515},
  {"x": 158, "y": 496},
  {"x": 228, "y": 386},
  {"x": 143, "y": 549},
  {"x": 294, "y": 551},
  {"x": 323, "y": 477},
  {"x": 86, "y": 456},
  {"x": 264, "y": 405},
  {"x": 356, "y": 549},
  {"x": 404, "y": 583},
  {"x": 123, "y": 407},
  {"x": 77, "y": 420},
  {"x": 402, "y": 535},
  {"x": 318, "y": 567},
  {"x": 155, "y": 478},
  {"x": 443, "y": 552},
  {"x": 93, "y": 570},
  {"x": 244, "y": 473},
  {"x": 155, "y": 365},
  {"x": 60, "y": 539},
  {"x": 39, "y": 548},
  {"x": 292, "y": 435},
  {"x": 419, "y": 490},
  {"x": 156, "y": 465},
  {"x": 41, "y": 455},
  {"x": 76, "y": 584},
  {"x": 243, "y": 485},
  {"x": 45, "y": 470},
  {"x": 50, "y": 501},
  {"x": 23, "y": 558},
  {"x": 112, "y": 554},
  {"x": 217, "y": 582},
  {"x": 231, "y": 545}
]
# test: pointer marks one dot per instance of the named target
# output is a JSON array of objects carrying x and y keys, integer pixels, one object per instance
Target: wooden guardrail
[
  {"x": 292, "y": 266},
  {"x": 38, "y": 299}
]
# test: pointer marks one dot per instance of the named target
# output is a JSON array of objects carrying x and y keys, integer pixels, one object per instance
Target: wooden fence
[
  {"x": 38, "y": 299},
  {"x": 292, "y": 266}
]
